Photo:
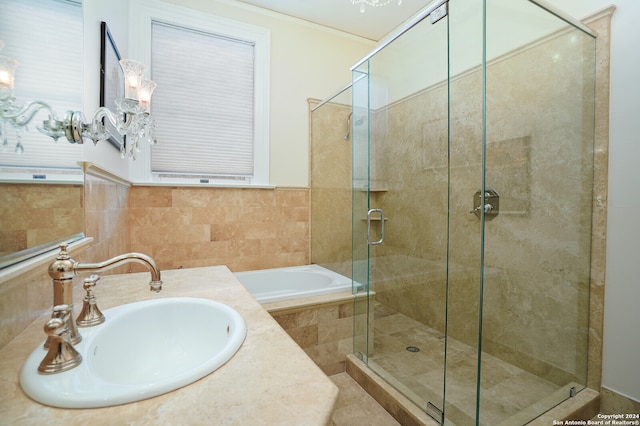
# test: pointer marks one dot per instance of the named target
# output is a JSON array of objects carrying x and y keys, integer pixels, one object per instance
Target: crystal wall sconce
[{"x": 133, "y": 118}]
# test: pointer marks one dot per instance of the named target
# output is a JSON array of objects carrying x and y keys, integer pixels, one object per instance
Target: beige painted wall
[
  {"x": 115, "y": 14},
  {"x": 307, "y": 60}
]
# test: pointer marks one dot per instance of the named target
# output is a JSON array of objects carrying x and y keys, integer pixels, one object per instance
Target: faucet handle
[
  {"x": 62, "y": 312},
  {"x": 61, "y": 356},
  {"x": 90, "y": 314},
  {"x": 63, "y": 254}
]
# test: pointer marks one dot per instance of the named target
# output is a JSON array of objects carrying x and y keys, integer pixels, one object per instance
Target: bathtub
[{"x": 277, "y": 284}]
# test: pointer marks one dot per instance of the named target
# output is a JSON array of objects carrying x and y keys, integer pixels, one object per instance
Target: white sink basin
[{"x": 142, "y": 350}]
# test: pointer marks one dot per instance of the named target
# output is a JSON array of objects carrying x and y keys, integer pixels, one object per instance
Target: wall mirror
[{"x": 41, "y": 190}]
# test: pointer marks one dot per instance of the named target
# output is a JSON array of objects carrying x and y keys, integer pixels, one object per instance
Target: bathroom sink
[{"x": 142, "y": 350}]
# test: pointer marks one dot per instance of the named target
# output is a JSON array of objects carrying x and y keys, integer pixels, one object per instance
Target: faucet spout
[{"x": 155, "y": 284}]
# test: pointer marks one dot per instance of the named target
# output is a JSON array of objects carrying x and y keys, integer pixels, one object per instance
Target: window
[
  {"x": 211, "y": 103},
  {"x": 45, "y": 37},
  {"x": 204, "y": 103}
]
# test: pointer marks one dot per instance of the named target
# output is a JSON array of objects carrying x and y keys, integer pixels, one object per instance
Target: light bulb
[
  {"x": 133, "y": 71},
  {"x": 146, "y": 90},
  {"x": 7, "y": 70}
]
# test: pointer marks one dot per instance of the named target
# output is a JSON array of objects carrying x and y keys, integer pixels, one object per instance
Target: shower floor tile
[{"x": 505, "y": 389}]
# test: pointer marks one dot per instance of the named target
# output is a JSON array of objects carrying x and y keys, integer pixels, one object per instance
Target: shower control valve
[
  {"x": 487, "y": 209},
  {"x": 489, "y": 204}
]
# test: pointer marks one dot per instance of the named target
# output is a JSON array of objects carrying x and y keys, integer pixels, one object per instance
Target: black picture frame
[{"x": 111, "y": 82}]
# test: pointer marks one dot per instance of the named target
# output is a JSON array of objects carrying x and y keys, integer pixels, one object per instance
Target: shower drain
[{"x": 413, "y": 349}]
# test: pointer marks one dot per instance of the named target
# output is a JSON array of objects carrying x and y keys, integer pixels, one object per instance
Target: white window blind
[
  {"x": 45, "y": 37},
  {"x": 204, "y": 103}
]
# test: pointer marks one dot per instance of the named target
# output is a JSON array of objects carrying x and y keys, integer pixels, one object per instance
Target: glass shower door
[
  {"x": 521, "y": 161},
  {"x": 539, "y": 134},
  {"x": 400, "y": 210},
  {"x": 466, "y": 185}
]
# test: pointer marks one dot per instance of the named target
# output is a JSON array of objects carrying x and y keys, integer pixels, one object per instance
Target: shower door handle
[{"x": 369, "y": 213}]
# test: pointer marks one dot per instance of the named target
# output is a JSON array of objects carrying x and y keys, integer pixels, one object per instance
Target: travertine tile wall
[
  {"x": 25, "y": 296},
  {"x": 330, "y": 187},
  {"x": 106, "y": 218},
  {"x": 243, "y": 228},
  {"x": 34, "y": 214},
  {"x": 324, "y": 331},
  {"x": 601, "y": 24},
  {"x": 180, "y": 227}
]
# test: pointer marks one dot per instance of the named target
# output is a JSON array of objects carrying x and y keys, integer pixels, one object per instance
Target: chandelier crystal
[{"x": 372, "y": 3}]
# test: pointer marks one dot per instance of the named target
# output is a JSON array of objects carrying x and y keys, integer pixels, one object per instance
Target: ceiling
[{"x": 374, "y": 23}]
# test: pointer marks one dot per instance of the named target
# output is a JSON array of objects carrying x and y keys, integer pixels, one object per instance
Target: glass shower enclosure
[{"x": 472, "y": 169}]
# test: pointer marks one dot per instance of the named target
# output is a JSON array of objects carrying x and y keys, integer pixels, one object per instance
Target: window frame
[{"x": 141, "y": 15}]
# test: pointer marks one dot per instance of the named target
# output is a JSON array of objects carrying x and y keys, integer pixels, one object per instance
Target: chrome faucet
[{"x": 64, "y": 268}]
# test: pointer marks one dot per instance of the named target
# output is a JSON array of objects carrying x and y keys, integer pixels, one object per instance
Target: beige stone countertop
[{"x": 269, "y": 381}]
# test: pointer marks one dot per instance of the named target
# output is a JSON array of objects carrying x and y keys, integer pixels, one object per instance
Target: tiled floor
[
  {"x": 355, "y": 407},
  {"x": 506, "y": 389}
]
